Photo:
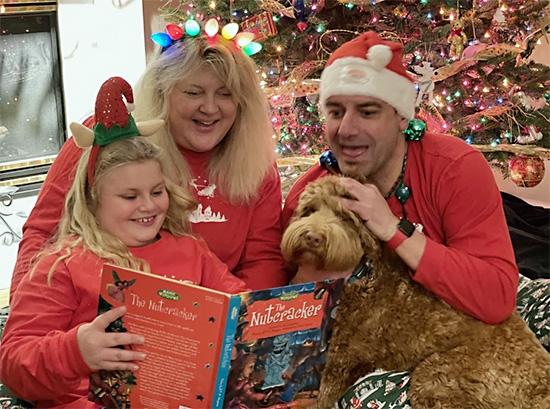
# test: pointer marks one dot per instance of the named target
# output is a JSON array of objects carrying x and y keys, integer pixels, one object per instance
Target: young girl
[{"x": 120, "y": 209}]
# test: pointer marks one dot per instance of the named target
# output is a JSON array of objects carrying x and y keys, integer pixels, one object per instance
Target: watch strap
[
  {"x": 398, "y": 238},
  {"x": 405, "y": 229}
]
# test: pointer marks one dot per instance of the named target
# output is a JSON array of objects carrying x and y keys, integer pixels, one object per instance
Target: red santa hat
[{"x": 370, "y": 66}]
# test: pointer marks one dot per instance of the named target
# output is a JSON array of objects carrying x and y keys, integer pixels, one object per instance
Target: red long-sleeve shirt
[
  {"x": 39, "y": 356},
  {"x": 247, "y": 240},
  {"x": 468, "y": 260}
]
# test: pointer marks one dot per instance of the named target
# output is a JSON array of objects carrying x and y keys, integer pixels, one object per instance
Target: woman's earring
[{"x": 415, "y": 130}]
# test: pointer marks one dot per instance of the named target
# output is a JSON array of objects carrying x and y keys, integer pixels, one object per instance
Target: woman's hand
[
  {"x": 100, "y": 349},
  {"x": 371, "y": 207}
]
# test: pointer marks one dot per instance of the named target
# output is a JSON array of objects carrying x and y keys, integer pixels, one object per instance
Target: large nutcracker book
[{"x": 209, "y": 349}]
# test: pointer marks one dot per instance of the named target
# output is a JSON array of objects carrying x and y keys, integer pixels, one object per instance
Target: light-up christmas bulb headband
[{"x": 174, "y": 33}]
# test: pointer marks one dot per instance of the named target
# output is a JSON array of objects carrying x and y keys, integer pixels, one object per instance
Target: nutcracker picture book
[{"x": 209, "y": 349}]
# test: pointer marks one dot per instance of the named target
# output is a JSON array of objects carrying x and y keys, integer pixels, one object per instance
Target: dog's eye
[
  {"x": 306, "y": 210},
  {"x": 347, "y": 216}
]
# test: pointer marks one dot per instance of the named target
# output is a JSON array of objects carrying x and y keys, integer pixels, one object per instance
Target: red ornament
[
  {"x": 302, "y": 26},
  {"x": 526, "y": 171}
]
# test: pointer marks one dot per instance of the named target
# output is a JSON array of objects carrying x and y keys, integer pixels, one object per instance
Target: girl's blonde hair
[
  {"x": 246, "y": 155},
  {"x": 79, "y": 225}
]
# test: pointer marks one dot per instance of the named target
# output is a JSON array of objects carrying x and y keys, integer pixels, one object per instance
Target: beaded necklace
[
  {"x": 400, "y": 177},
  {"x": 399, "y": 188}
]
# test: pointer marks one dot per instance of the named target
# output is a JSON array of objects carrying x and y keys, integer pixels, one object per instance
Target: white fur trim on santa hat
[{"x": 359, "y": 76}]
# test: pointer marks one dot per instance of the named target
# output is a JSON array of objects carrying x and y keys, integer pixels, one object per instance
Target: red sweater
[
  {"x": 247, "y": 241},
  {"x": 469, "y": 260},
  {"x": 39, "y": 356},
  {"x": 246, "y": 237}
]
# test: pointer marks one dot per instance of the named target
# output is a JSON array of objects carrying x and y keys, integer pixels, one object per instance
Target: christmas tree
[{"x": 471, "y": 60}]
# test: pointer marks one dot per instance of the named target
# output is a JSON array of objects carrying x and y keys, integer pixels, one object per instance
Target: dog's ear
[{"x": 371, "y": 244}]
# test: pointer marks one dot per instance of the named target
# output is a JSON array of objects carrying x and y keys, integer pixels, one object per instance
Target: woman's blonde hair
[
  {"x": 79, "y": 225},
  {"x": 246, "y": 155}
]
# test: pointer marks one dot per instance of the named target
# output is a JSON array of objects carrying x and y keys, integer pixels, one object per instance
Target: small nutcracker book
[{"x": 209, "y": 349}]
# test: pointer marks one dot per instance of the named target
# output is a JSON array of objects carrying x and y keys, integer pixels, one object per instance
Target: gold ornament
[
  {"x": 457, "y": 39},
  {"x": 400, "y": 11}
]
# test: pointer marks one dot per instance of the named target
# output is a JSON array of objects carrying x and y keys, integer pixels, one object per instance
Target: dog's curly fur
[{"x": 388, "y": 321}]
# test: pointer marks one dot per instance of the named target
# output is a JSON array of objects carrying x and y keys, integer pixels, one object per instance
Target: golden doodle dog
[{"x": 387, "y": 321}]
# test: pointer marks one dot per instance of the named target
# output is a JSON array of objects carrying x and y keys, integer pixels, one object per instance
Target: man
[{"x": 459, "y": 247}]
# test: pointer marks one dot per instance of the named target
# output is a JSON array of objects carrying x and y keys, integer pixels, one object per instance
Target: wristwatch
[{"x": 405, "y": 229}]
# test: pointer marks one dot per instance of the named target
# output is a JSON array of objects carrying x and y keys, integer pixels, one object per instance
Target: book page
[{"x": 183, "y": 326}]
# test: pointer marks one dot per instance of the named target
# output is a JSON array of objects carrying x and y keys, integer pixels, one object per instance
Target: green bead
[
  {"x": 402, "y": 193},
  {"x": 547, "y": 96},
  {"x": 415, "y": 130}
]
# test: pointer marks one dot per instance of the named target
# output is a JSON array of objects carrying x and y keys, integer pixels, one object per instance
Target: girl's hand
[{"x": 100, "y": 350}]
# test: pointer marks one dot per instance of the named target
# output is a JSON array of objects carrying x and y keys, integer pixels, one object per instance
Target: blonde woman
[{"x": 218, "y": 143}]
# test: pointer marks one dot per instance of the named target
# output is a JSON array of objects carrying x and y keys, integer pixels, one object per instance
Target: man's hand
[{"x": 371, "y": 207}]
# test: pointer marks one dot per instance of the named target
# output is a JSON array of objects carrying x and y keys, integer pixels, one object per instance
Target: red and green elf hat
[{"x": 113, "y": 121}]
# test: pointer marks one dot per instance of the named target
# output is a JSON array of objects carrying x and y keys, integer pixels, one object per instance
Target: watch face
[{"x": 406, "y": 227}]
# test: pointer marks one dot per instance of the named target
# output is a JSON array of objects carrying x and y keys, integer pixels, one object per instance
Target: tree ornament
[
  {"x": 499, "y": 28},
  {"x": 425, "y": 82},
  {"x": 529, "y": 134},
  {"x": 526, "y": 171},
  {"x": 518, "y": 96},
  {"x": 303, "y": 9},
  {"x": 261, "y": 25},
  {"x": 400, "y": 11},
  {"x": 312, "y": 99},
  {"x": 415, "y": 130},
  {"x": 301, "y": 26},
  {"x": 276, "y": 121},
  {"x": 472, "y": 50},
  {"x": 457, "y": 39}
]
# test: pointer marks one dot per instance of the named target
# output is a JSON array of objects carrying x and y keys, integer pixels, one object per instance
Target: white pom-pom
[
  {"x": 130, "y": 106},
  {"x": 379, "y": 56}
]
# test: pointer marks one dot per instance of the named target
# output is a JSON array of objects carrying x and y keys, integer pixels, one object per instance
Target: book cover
[
  {"x": 281, "y": 344},
  {"x": 208, "y": 349}
]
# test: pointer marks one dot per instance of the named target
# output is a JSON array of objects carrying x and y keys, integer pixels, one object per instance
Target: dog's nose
[{"x": 313, "y": 239}]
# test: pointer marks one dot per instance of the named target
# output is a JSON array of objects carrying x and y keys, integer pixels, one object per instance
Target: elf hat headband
[
  {"x": 113, "y": 121},
  {"x": 370, "y": 66}
]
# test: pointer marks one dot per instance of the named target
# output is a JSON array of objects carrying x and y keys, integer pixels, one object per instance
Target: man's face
[{"x": 365, "y": 135}]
